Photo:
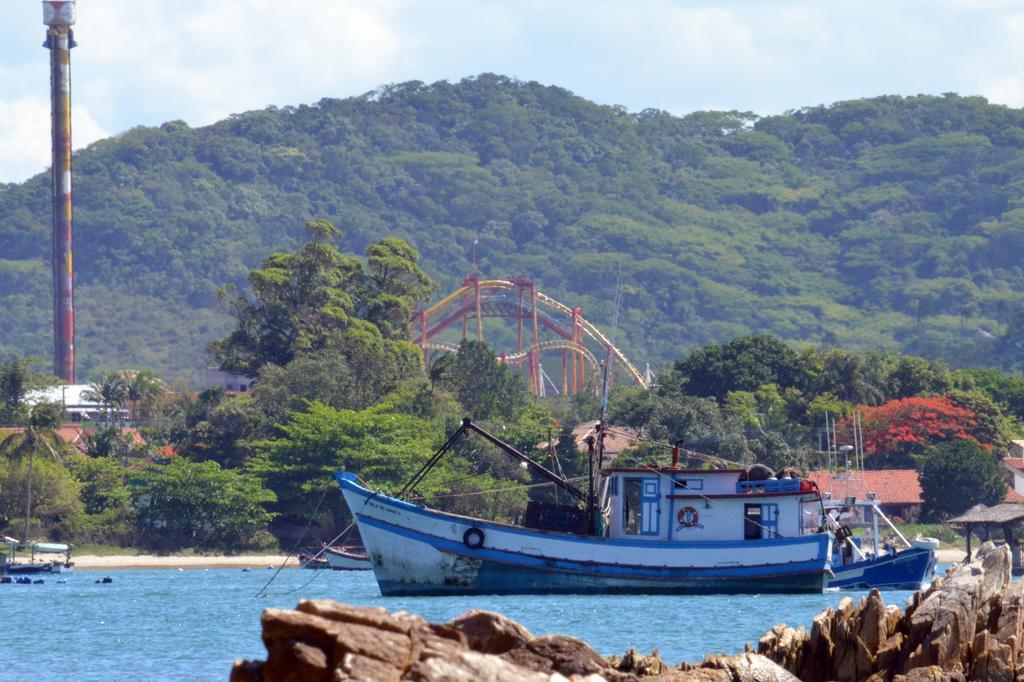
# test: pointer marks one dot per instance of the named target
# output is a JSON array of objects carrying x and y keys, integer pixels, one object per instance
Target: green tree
[
  {"x": 486, "y": 388},
  {"x": 111, "y": 391},
  {"x": 319, "y": 298},
  {"x": 199, "y": 504},
  {"x": 743, "y": 364},
  {"x": 44, "y": 488},
  {"x": 385, "y": 449},
  {"x": 958, "y": 475}
]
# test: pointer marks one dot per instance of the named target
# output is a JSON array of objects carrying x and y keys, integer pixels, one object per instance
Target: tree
[
  {"x": 52, "y": 490},
  {"x": 383, "y": 448},
  {"x": 486, "y": 388},
  {"x": 319, "y": 298},
  {"x": 301, "y": 302},
  {"x": 744, "y": 364},
  {"x": 111, "y": 391},
  {"x": 958, "y": 475},
  {"x": 143, "y": 392},
  {"x": 18, "y": 378},
  {"x": 899, "y": 430},
  {"x": 199, "y": 504},
  {"x": 396, "y": 283}
]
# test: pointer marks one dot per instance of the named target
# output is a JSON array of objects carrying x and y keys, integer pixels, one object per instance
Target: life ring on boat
[
  {"x": 688, "y": 517},
  {"x": 473, "y": 538}
]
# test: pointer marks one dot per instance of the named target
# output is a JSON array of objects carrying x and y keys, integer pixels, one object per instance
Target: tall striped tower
[{"x": 59, "y": 17}]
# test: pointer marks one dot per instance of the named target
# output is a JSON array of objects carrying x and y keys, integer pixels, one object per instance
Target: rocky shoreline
[{"x": 966, "y": 626}]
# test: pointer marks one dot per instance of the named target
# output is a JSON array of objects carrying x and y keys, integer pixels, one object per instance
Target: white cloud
[
  {"x": 25, "y": 136},
  {"x": 142, "y": 63}
]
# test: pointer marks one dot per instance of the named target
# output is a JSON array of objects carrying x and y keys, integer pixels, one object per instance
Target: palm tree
[
  {"x": 38, "y": 434},
  {"x": 111, "y": 391},
  {"x": 143, "y": 389}
]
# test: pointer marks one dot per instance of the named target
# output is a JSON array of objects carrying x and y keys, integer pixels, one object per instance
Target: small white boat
[
  {"x": 10, "y": 566},
  {"x": 347, "y": 558}
]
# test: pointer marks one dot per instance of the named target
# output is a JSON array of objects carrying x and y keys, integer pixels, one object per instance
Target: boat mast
[{"x": 594, "y": 505}]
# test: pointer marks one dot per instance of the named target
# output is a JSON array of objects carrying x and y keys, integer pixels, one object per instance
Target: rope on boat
[
  {"x": 263, "y": 590},
  {"x": 522, "y": 486}
]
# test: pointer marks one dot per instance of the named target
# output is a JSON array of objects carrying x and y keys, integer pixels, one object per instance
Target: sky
[{"x": 144, "y": 62}]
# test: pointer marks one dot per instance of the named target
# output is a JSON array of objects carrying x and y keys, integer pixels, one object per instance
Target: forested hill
[{"x": 890, "y": 223}]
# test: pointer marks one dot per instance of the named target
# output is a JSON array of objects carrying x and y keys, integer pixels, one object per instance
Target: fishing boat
[
  {"x": 350, "y": 558},
  {"x": 313, "y": 559},
  {"x": 876, "y": 563},
  {"x": 883, "y": 558},
  {"x": 646, "y": 530}
]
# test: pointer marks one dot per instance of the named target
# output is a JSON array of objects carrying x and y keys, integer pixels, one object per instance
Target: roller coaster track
[{"x": 518, "y": 299}]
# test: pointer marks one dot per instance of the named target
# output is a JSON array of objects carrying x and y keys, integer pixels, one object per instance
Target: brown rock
[
  {"x": 246, "y": 671},
  {"x": 931, "y": 674},
  {"x": 872, "y": 630},
  {"x": 642, "y": 666},
  {"x": 743, "y": 668},
  {"x": 490, "y": 633},
  {"x": 365, "y": 669},
  {"x": 289, "y": 660},
  {"x": 375, "y": 617},
  {"x": 557, "y": 653},
  {"x": 476, "y": 667}
]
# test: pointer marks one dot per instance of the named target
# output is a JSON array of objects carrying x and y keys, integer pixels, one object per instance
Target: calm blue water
[{"x": 190, "y": 625}]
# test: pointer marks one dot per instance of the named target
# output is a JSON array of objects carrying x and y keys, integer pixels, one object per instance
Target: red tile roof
[
  {"x": 1014, "y": 463},
  {"x": 892, "y": 486},
  {"x": 1013, "y": 496},
  {"x": 75, "y": 435}
]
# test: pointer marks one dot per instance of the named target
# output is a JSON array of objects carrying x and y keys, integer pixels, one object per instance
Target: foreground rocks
[
  {"x": 967, "y": 626},
  {"x": 324, "y": 640}
]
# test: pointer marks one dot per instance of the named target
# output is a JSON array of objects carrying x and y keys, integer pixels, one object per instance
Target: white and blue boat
[
  {"x": 858, "y": 564},
  {"x": 668, "y": 530}
]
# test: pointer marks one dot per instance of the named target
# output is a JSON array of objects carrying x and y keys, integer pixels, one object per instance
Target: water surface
[{"x": 191, "y": 624}]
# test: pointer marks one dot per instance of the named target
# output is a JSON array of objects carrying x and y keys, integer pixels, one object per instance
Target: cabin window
[
  {"x": 631, "y": 505},
  {"x": 690, "y": 483},
  {"x": 613, "y": 486},
  {"x": 752, "y": 522}
]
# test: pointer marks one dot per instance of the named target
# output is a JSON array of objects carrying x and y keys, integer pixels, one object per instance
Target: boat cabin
[{"x": 671, "y": 504}]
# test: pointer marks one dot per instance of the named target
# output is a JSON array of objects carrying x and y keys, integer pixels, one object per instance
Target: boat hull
[
  {"x": 343, "y": 560},
  {"x": 417, "y": 551},
  {"x": 906, "y": 569},
  {"x": 33, "y": 568}
]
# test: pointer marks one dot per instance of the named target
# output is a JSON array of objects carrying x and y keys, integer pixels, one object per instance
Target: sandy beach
[
  {"x": 115, "y": 561},
  {"x": 950, "y": 556}
]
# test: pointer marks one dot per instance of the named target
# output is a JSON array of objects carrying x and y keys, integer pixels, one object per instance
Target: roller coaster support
[{"x": 508, "y": 299}]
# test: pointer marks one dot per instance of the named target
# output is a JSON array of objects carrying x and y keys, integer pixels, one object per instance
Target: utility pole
[{"x": 59, "y": 17}]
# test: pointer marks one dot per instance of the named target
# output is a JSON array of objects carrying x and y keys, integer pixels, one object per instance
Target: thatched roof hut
[{"x": 1002, "y": 519}]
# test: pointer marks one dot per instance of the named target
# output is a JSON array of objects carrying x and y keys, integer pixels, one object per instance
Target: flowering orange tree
[{"x": 897, "y": 430}]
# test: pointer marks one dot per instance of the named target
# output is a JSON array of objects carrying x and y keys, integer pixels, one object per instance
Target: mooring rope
[{"x": 302, "y": 537}]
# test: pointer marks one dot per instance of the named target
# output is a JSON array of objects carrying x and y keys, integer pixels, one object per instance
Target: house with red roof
[
  {"x": 75, "y": 435},
  {"x": 897, "y": 490}
]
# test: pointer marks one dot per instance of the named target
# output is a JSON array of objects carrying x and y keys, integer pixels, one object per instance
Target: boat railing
[{"x": 778, "y": 485}]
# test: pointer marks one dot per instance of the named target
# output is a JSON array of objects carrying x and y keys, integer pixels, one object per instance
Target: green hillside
[{"x": 887, "y": 223}]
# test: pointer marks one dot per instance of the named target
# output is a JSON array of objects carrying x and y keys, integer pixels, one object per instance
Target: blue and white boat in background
[
  {"x": 863, "y": 563},
  {"x": 669, "y": 530},
  {"x": 867, "y": 562}
]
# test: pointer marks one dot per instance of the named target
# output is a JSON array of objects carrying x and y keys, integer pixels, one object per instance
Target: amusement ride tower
[{"x": 59, "y": 17}]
